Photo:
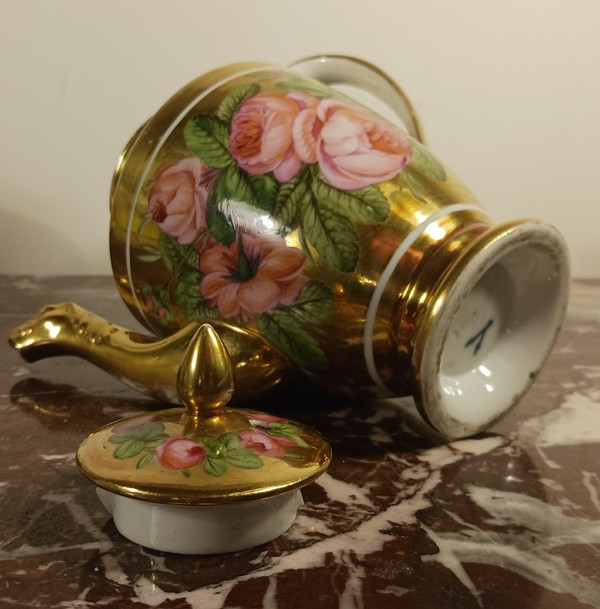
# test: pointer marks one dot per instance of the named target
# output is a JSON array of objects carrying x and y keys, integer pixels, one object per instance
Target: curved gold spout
[{"x": 146, "y": 363}]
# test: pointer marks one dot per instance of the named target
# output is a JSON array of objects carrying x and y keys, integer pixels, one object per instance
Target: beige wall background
[{"x": 508, "y": 93}]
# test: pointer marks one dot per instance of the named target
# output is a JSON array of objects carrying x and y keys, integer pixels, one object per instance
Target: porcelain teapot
[{"x": 320, "y": 238}]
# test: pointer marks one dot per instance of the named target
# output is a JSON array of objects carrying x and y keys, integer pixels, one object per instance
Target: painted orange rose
[
  {"x": 261, "y": 134},
  {"x": 252, "y": 275},
  {"x": 177, "y": 199}
]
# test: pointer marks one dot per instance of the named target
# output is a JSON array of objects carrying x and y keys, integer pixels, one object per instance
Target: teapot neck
[{"x": 404, "y": 295}]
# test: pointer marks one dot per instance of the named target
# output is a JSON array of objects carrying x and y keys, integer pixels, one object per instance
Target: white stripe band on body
[{"x": 385, "y": 277}]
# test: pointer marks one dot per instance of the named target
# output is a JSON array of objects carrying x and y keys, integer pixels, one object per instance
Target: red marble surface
[{"x": 508, "y": 519}]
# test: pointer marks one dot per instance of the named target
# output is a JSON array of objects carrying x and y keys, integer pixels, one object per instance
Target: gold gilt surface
[
  {"x": 342, "y": 337},
  {"x": 152, "y": 482}
]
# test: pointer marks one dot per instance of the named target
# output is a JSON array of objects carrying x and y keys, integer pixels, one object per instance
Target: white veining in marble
[
  {"x": 532, "y": 555},
  {"x": 66, "y": 456},
  {"x": 576, "y": 421},
  {"x": 21, "y": 371},
  {"x": 592, "y": 484},
  {"x": 397, "y": 591},
  {"x": 113, "y": 570},
  {"x": 452, "y": 561},
  {"x": 346, "y": 548},
  {"x": 338, "y": 490}
]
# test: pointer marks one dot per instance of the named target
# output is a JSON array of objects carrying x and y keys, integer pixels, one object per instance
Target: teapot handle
[{"x": 344, "y": 70}]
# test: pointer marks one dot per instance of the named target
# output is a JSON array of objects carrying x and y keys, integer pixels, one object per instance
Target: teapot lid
[{"x": 204, "y": 453}]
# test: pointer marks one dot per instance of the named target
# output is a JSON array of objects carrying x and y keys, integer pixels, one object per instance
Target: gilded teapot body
[{"x": 264, "y": 199}]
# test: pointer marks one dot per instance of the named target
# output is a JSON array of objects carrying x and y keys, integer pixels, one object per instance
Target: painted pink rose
[
  {"x": 264, "y": 444},
  {"x": 262, "y": 417},
  {"x": 264, "y": 274},
  {"x": 179, "y": 453},
  {"x": 354, "y": 149},
  {"x": 160, "y": 312},
  {"x": 177, "y": 199},
  {"x": 261, "y": 134}
]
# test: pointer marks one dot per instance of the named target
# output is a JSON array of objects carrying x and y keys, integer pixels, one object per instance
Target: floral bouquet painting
[{"x": 272, "y": 180}]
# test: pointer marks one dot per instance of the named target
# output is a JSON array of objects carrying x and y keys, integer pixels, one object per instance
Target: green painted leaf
[
  {"x": 292, "y": 196},
  {"x": 208, "y": 138},
  {"x": 218, "y": 223},
  {"x": 144, "y": 460},
  {"x": 146, "y": 218},
  {"x": 207, "y": 312},
  {"x": 287, "y": 430},
  {"x": 215, "y": 466},
  {"x": 119, "y": 438},
  {"x": 236, "y": 185},
  {"x": 149, "y": 257},
  {"x": 425, "y": 162},
  {"x": 314, "y": 303},
  {"x": 150, "y": 249},
  {"x": 366, "y": 205},
  {"x": 229, "y": 441},
  {"x": 283, "y": 428},
  {"x": 284, "y": 331},
  {"x": 413, "y": 185},
  {"x": 177, "y": 257},
  {"x": 152, "y": 431},
  {"x": 155, "y": 442},
  {"x": 234, "y": 99},
  {"x": 295, "y": 438},
  {"x": 187, "y": 293},
  {"x": 130, "y": 448},
  {"x": 212, "y": 446},
  {"x": 264, "y": 189},
  {"x": 242, "y": 457},
  {"x": 151, "y": 253},
  {"x": 305, "y": 248},
  {"x": 331, "y": 235},
  {"x": 237, "y": 193}
]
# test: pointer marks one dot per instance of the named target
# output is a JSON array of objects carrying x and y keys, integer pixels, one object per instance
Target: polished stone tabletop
[{"x": 507, "y": 519}]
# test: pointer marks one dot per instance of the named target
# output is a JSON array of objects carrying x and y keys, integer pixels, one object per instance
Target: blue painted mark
[{"x": 477, "y": 340}]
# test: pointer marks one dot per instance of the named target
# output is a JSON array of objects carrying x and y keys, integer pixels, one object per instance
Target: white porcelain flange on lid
[
  {"x": 497, "y": 314},
  {"x": 203, "y": 479},
  {"x": 203, "y": 529}
]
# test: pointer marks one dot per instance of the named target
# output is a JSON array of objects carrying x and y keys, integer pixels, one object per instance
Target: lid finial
[{"x": 205, "y": 379}]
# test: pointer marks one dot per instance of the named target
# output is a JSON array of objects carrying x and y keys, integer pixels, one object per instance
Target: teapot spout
[{"x": 144, "y": 362}]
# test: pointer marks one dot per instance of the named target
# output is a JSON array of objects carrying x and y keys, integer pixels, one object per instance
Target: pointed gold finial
[{"x": 205, "y": 379}]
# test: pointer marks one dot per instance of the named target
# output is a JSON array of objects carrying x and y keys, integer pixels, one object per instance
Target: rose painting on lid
[
  {"x": 145, "y": 442},
  {"x": 290, "y": 160}
]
